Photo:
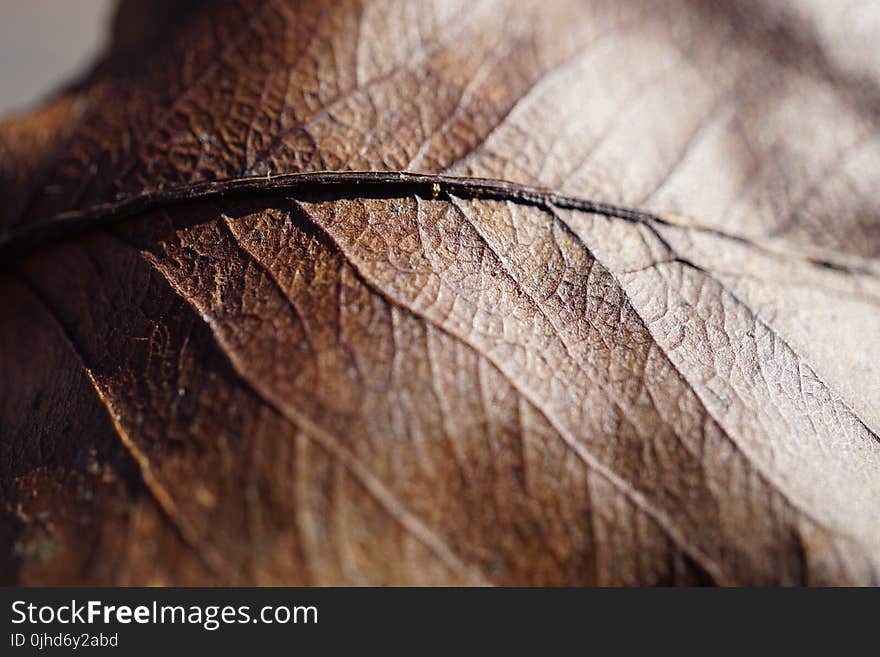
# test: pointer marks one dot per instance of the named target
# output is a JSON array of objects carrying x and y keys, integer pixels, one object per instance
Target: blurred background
[{"x": 44, "y": 43}]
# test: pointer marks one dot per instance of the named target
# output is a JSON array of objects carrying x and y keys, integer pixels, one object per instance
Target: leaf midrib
[{"x": 21, "y": 239}]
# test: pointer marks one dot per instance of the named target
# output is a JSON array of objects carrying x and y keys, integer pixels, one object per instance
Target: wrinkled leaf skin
[{"x": 477, "y": 293}]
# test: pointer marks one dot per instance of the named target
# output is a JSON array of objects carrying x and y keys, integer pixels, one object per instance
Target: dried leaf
[{"x": 621, "y": 329}]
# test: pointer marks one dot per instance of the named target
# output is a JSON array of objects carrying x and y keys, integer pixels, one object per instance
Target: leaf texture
[{"x": 221, "y": 365}]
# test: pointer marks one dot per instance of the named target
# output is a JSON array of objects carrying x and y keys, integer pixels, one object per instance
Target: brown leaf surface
[{"x": 213, "y": 373}]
